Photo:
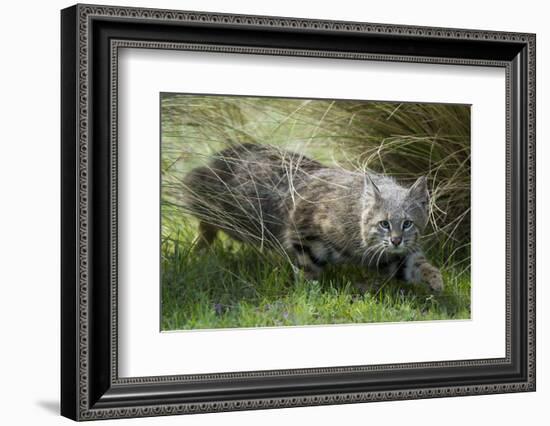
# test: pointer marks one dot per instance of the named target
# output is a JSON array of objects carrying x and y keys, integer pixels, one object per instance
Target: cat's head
[{"x": 394, "y": 217}]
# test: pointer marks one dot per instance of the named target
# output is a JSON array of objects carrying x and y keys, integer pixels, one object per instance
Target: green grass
[{"x": 231, "y": 285}]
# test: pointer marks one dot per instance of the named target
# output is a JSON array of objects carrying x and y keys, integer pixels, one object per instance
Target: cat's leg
[
  {"x": 307, "y": 260},
  {"x": 417, "y": 269},
  {"x": 207, "y": 234},
  {"x": 310, "y": 271}
]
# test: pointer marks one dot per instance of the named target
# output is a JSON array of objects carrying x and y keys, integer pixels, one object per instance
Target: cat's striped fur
[{"x": 316, "y": 215}]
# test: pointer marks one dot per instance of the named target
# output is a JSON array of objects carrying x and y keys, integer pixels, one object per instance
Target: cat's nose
[{"x": 396, "y": 241}]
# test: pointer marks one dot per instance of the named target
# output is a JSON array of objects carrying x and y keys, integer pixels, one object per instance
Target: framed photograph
[{"x": 263, "y": 212}]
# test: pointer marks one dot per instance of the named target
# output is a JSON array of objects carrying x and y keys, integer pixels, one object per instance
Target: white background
[
  {"x": 29, "y": 212},
  {"x": 143, "y": 351}
]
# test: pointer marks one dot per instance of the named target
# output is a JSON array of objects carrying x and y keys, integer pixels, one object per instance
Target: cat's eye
[
  {"x": 407, "y": 224},
  {"x": 384, "y": 224}
]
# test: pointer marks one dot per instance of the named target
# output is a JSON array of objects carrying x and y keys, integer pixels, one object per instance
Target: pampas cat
[{"x": 317, "y": 215}]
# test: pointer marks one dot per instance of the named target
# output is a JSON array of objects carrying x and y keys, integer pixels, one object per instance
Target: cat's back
[
  {"x": 252, "y": 169},
  {"x": 244, "y": 186}
]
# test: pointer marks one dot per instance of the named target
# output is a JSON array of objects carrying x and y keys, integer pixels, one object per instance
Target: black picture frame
[{"x": 90, "y": 386}]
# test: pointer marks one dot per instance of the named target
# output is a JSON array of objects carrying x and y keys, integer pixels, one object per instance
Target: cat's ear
[
  {"x": 371, "y": 188},
  {"x": 418, "y": 192}
]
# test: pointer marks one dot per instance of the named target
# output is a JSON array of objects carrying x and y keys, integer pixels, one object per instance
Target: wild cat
[{"x": 317, "y": 215}]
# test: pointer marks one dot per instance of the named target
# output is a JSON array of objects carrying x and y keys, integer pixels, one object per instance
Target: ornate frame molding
[{"x": 78, "y": 24}]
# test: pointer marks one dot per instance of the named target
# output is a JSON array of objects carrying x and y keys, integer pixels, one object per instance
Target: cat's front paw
[
  {"x": 365, "y": 287},
  {"x": 435, "y": 280},
  {"x": 432, "y": 276},
  {"x": 306, "y": 275}
]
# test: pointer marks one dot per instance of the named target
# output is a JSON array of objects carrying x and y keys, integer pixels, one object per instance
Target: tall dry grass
[{"x": 404, "y": 140}]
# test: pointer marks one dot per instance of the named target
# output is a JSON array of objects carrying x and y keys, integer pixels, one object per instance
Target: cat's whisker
[
  {"x": 379, "y": 250},
  {"x": 384, "y": 249},
  {"x": 371, "y": 250}
]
